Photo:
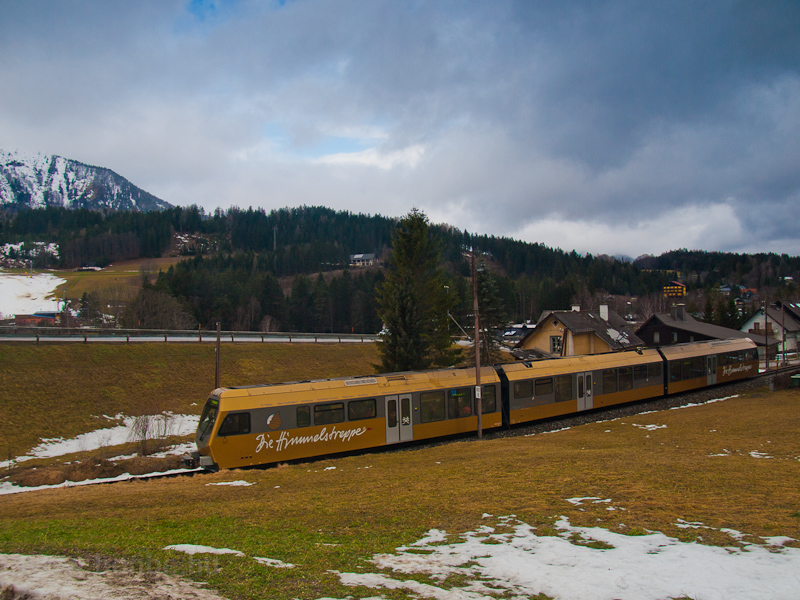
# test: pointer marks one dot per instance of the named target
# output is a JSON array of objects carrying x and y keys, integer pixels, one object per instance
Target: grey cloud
[{"x": 617, "y": 111}]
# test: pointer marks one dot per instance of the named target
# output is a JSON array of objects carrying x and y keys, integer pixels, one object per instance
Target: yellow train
[{"x": 263, "y": 424}]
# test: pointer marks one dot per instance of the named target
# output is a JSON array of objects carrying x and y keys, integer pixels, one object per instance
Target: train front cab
[
  {"x": 275, "y": 423},
  {"x": 700, "y": 364},
  {"x": 551, "y": 388}
]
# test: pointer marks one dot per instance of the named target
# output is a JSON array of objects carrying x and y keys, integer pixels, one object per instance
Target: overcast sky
[{"x": 619, "y": 127}]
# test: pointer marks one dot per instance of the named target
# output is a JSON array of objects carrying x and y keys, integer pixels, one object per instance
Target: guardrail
[{"x": 87, "y": 335}]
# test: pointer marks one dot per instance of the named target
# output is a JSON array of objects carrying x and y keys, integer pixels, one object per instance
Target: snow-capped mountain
[{"x": 38, "y": 180}]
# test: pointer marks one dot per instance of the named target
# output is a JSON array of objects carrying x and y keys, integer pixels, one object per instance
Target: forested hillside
[{"x": 289, "y": 269}]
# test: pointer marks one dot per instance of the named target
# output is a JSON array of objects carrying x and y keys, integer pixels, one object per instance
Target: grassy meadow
[
  {"x": 120, "y": 280},
  {"x": 728, "y": 465},
  {"x": 60, "y": 390}
]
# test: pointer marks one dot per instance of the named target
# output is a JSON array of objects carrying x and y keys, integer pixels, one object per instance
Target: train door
[
  {"x": 712, "y": 369},
  {"x": 585, "y": 401},
  {"x": 398, "y": 419}
]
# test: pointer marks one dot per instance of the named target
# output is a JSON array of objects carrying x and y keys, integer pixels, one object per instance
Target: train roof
[
  {"x": 344, "y": 388},
  {"x": 690, "y": 349},
  {"x": 577, "y": 364}
]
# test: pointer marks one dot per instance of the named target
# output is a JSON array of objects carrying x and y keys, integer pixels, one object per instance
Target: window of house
[
  {"x": 656, "y": 337},
  {"x": 555, "y": 344}
]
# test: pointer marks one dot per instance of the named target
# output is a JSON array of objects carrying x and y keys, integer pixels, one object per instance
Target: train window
[
  {"x": 361, "y": 409},
  {"x": 523, "y": 389},
  {"x": 325, "y": 414},
  {"x": 625, "y": 379},
  {"x": 207, "y": 419},
  {"x": 654, "y": 371},
  {"x": 640, "y": 373},
  {"x": 431, "y": 406},
  {"x": 391, "y": 413},
  {"x": 609, "y": 381},
  {"x": 699, "y": 366},
  {"x": 544, "y": 387},
  {"x": 459, "y": 403},
  {"x": 675, "y": 370},
  {"x": 563, "y": 387},
  {"x": 303, "y": 416},
  {"x": 235, "y": 424},
  {"x": 488, "y": 399},
  {"x": 686, "y": 369}
]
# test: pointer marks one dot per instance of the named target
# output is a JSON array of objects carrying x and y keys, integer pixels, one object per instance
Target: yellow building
[{"x": 576, "y": 332}]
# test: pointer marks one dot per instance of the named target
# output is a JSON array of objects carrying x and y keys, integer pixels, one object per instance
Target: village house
[
  {"x": 781, "y": 321},
  {"x": 576, "y": 332},
  {"x": 679, "y": 327},
  {"x": 362, "y": 260}
]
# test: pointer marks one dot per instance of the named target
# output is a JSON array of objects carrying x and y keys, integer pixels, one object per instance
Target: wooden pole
[
  {"x": 218, "y": 369},
  {"x": 478, "y": 401}
]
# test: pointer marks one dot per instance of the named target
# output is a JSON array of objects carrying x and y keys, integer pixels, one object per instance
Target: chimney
[
  {"x": 604, "y": 312},
  {"x": 680, "y": 312},
  {"x": 576, "y": 308},
  {"x": 673, "y": 312}
]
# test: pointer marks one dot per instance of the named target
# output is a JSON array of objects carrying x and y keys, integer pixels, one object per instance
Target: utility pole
[
  {"x": 478, "y": 401},
  {"x": 218, "y": 369}
]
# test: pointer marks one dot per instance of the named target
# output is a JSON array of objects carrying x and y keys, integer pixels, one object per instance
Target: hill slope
[{"x": 38, "y": 180}]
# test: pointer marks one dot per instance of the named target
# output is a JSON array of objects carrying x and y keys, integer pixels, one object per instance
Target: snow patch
[
  {"x": 198, "y": 549},
  {"x": 642, "y": 567},
  {"x": 233, "y": 483}
]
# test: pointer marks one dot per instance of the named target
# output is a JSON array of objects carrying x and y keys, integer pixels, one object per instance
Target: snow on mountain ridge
[{"x": 39, "y": 180}]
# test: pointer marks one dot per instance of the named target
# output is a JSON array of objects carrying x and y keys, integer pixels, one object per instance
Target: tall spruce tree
[{"x": 413, "y": 302}]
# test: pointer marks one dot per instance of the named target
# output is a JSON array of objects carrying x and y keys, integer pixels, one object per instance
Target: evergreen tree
[
  {"x": 412, "y": 301},
  {"x": 90, "y": 311},
  {"x": 492, "y": 313}
]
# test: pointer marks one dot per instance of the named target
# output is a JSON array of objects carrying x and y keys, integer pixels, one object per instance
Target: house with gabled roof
[
  {"x": 576, "y": 332},
  {"x": 781, "y": 321},
  {"x": 362, "y": 260},
  {"x": 679, "y": 327}
]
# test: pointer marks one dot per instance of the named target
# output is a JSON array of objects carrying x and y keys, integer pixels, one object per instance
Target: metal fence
[{"x": 95, "y": 334}]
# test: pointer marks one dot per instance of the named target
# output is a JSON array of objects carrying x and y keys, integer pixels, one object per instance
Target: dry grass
[
  {"x": 125, "y": 276},
  {"x": 324, "y": 519},
  {"x": 62, "y": 390}
]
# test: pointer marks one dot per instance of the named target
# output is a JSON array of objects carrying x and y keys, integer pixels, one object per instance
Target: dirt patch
[
  {"x": 91, "y": 468},
  {"x": 54, "y": 578}
]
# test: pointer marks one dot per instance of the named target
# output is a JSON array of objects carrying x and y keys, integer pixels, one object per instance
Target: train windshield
[{"x": 207, "y": 418}]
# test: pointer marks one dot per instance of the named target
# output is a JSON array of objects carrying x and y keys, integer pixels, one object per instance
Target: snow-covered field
[{"x": 20, "y": 294}]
